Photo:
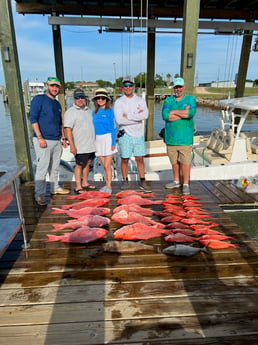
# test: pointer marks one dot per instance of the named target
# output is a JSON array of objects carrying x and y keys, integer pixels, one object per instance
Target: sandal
[
  {"x": 89, "y": 187},
  {"x": 78, "y": 191},
  {"x": 105, "y": 190}
]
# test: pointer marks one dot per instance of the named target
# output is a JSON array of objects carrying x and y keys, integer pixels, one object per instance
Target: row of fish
[{"x": 182, "y": 220}]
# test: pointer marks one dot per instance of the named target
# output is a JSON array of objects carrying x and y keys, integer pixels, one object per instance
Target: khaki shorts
[{"x": 181, "y": 154}]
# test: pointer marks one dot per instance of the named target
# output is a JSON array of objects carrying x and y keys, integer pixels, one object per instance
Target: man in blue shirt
[
  {"x": 46, "y": 122},
  {"x": 178, "y": 113}
]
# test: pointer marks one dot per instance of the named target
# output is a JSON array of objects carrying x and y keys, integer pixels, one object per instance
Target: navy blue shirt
[{"x": 47, "y": 112}]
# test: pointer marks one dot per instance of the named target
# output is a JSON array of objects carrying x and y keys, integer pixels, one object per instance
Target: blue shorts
[{"x": 131, "y": 146}]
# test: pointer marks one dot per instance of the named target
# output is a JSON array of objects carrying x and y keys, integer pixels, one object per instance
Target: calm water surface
[{"x": 247, "y": 221}]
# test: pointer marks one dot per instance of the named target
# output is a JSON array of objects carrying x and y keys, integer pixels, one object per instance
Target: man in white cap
[
  {"x": 130, "y": 113},
  {"x": 178, "y": 113},
  {"x": 81, "y": 136},
  {"x": 46, "y": 122}
]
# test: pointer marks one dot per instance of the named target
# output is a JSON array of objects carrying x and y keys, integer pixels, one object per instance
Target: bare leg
[
  {"x": 85, "y": 174},
  {"x": 176, "y": 171},
  {"x": 124, "y": 167},
  {"x": 186, "y": 169},
  {"x": 106, "y": 162},
  {"x": 78, "y": 176},
  {"x": 140, "y": 166}
]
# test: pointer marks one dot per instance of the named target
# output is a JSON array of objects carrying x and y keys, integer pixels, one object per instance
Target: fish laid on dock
[
  {"x": 89, "y": 195},
  {"x": 77, "y": 213},
  {"x": 92, "y": 220},
  {"x": 179, "y": 237},
  {"x": 184, "y": 250},
  {"x": 138, "y": 200},
  {"x": 81, "y": 235},
  {"x": 88, "y": 202},
  {"x": 125, "y": 193},
  {"x": 126, "y": 247},
  {"x": 216, "y": 244},
  {"x": 124, "y": 217},
  {"x": 88, "y": 220},
  {"x": 135, "y": 208},
  {"x": 138, "y": 231}
]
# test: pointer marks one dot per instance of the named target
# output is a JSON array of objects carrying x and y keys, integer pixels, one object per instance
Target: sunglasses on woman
[{"x": 102, "y": 98}]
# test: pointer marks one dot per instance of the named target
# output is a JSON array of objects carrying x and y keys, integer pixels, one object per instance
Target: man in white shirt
[{"x": 130, "y": 113}]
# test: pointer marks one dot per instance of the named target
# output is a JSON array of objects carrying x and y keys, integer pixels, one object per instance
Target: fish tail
[
  {"x": 66, "y": 207},
  {"x": 57, "y": 210},
  {"x": 52, "y": 238},
  {"x": 57, "y": 227}
]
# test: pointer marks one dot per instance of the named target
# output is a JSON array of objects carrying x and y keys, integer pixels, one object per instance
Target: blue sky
[{"x": 89, "y": 55}]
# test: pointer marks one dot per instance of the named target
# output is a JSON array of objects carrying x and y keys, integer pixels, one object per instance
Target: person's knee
[{"x": 139, "y": 159}]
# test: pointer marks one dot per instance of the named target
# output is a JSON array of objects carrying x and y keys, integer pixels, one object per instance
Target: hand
[
  {"x": 65, "y": 142},
  {"x": 42, "y": 143},
  {"x": 73, "y": 149}
]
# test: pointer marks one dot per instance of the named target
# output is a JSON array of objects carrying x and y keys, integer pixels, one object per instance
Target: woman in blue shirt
[{"x": 104, "y": 123}]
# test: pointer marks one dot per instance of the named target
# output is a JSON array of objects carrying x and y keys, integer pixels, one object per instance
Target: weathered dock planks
[{"x": 56, "y": 293}]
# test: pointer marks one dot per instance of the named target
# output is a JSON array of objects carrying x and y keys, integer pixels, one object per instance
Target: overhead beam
[
  {"x": 123, "y": 24},
  {"x": 118, "y": 9}
]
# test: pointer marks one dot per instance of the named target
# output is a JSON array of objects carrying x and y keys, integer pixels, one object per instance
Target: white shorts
[{"x": 103, "y": 145}]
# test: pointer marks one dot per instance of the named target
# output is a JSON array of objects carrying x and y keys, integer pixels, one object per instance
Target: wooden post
[
  {"x": 14, "y": 89},
  {"x": 57, "y": 41},
  {"x": 150, "y": 81},
  {"x": 243, "y": 64},
  {"x": 189, "y": 41}
]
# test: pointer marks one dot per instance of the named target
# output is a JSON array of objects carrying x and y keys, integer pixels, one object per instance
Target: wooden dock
[{"x": 59, "y": 294}]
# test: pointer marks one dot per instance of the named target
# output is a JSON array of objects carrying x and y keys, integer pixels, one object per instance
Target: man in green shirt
[{"x": 178, "y": 113}]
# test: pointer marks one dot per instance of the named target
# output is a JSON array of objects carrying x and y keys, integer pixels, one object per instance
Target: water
[{"x": 247, "y": 221}]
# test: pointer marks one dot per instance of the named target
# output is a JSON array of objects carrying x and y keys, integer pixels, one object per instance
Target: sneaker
[
  {"x": 125, "y": 185},
  {"x": 172, "y": 185},
  {"x": 40, "y": 200},
  {"x": 61, "y": 190},
  {"x": 144, "y": 186},
  {"x": 186, "y": 189}
]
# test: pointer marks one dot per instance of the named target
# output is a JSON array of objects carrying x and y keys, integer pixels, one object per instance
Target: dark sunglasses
[
  {"x": 80, "y": 97},
  {"x": 102, "y": 98},
  {"x": 178, "y": 87},
  {"x": 128, "y": 85}
]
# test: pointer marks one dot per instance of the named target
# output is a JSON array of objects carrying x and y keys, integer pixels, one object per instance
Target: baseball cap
[
  {"x": 53, "y": 81},
  {"x": 178, "y": 81},
  {"x": 78, "y": 93},
  {"x": 128, "y": 79}
]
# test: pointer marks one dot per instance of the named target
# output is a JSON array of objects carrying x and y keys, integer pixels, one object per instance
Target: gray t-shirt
[{"x": 80, "y": 121}]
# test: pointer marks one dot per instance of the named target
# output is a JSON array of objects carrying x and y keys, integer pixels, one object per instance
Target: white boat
[{"x": 227, "y": 153}]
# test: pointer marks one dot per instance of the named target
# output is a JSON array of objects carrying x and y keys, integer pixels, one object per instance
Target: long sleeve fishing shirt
[
  {"x": 130, "y": 113},
  {"x": 104, "y": 122}
]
